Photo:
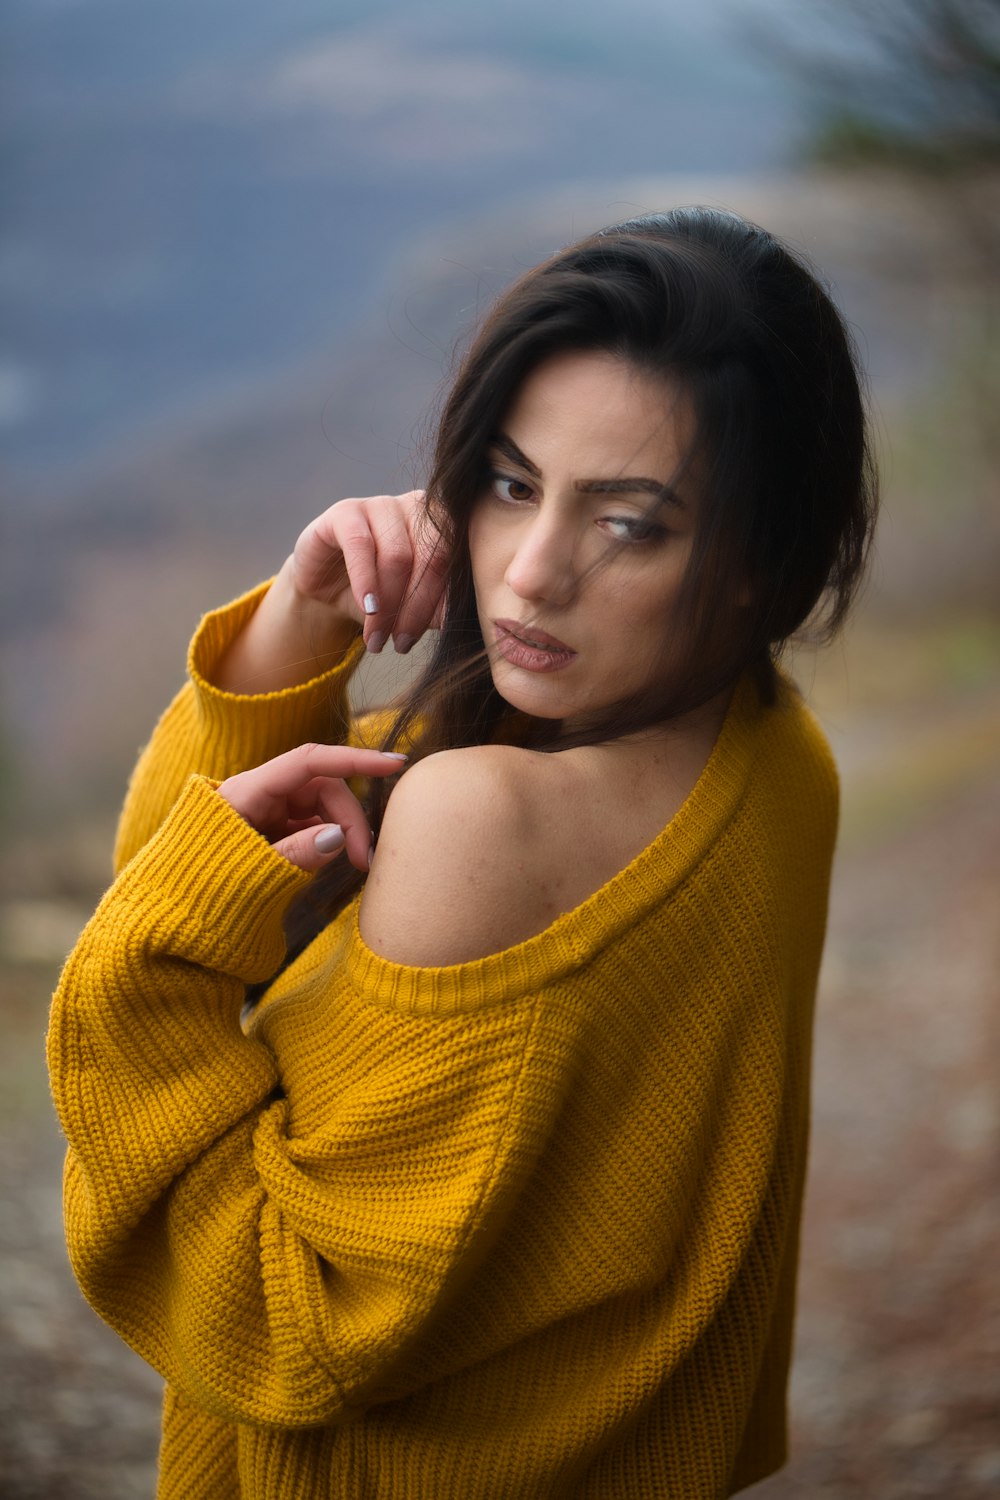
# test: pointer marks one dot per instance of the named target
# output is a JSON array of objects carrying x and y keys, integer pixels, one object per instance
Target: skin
[
  {"x": 574, "y": 537},
  {"x": 475, "y": 852}
]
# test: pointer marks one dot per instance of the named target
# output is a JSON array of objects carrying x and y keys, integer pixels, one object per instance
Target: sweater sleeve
[
  {"x": 216, "y": 734},
  {"x": 274, "y": 1271}
]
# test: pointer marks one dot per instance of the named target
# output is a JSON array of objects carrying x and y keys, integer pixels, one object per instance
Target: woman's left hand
[{"x": 300, "y": 802}]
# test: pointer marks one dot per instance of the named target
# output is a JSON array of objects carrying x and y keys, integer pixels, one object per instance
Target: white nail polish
[
  {"x": 330, "y": 839},
  {"x": 370, "y": 602}
]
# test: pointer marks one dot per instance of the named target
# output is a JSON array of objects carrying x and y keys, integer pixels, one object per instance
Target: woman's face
[{"x": 579, "y": 544}]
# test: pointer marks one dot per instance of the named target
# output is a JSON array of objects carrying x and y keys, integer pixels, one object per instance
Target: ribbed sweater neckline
[{"x": 576, "y": 936}]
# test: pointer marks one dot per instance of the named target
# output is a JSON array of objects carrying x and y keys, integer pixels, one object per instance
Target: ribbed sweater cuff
[
  {"x": 211, "y": 887},
  {"x": 247, "y": 722}
]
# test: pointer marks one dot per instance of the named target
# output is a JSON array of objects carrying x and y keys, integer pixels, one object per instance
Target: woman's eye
[
  {"x": 633, "y": 529},
  {"x": 513, "y": 491}
]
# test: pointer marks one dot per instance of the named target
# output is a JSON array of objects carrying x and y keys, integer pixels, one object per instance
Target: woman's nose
[{"x": 543, "y": 564}]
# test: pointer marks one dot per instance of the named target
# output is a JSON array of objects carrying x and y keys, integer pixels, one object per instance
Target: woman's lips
[{"x": 530, "y": 648}]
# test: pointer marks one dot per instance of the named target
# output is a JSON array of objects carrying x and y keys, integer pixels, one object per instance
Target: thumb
[{"x": 312, "y": 848}]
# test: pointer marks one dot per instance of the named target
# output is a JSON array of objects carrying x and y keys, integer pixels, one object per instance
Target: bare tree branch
[{"x": 914, "y": 83}]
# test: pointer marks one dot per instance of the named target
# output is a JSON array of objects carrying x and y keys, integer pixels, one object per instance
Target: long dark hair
[{"x": 787, "y": 488}]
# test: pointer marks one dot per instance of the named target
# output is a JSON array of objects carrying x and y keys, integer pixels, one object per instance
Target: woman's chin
[{"x": 530, "y": 693}]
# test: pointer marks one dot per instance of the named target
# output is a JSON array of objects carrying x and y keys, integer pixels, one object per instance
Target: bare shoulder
[{"x": 461, "y": 869}]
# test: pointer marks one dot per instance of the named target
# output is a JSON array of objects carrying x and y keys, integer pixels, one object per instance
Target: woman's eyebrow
[
  {"x": 624, "y": 484},
  {"x": 510, "y": 450},
  {"x": 630, "y": 484}
]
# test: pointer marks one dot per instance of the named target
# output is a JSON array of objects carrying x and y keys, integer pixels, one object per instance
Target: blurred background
[{"x": 240, "y": 244}]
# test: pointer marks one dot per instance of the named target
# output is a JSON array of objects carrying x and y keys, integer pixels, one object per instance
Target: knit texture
[{"x": 515, "y": 1228}]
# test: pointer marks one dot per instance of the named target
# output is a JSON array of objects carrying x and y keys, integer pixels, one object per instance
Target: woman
[{"x": 496, "y": 1194}]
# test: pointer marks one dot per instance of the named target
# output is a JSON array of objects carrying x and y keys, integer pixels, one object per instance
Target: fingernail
[
  {"x": 376, "y": 641},
  {"x": 394, "y": 754},
  {"x": 330, "y": 839},
  {"x": 370, "y": 602},
  {"x": 371, "y": 852},
  {"x": 404, "y": 643}
]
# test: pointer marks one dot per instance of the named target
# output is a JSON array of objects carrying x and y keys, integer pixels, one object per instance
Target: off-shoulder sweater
[{"x": 515, "y": 1228}]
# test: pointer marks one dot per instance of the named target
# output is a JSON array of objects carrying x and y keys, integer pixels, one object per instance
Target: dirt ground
[{"x": 896, "y": 1389}]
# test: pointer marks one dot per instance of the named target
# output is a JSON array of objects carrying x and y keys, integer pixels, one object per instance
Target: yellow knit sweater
[{"x": 518, "y": 1228}]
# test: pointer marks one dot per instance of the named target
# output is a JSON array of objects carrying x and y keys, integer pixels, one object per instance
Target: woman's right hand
[
  {"x": 379, "y": 562},
  {"x": 301, "y": 803}
]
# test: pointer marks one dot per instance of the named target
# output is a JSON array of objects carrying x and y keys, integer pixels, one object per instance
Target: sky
[{"x": 195, "y": 194}]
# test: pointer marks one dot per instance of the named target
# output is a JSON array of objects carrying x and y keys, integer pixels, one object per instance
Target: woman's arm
[
  {"x": 208, "y": 732},
  {"x": 289, "y": 640},
  {"x": 573, "y": 1158},
  {"x": 277, "y": 1256},
  {"x": 271, "y": 671}
]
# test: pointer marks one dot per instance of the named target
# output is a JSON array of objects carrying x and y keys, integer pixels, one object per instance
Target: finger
[
  {"x": 288, "y": 773},
  {"x": 320, "y": 569},
  {"x": 353, "y": 521},
  {"x": 392, "y": 561},
  {"x": 336, "y": 552},
  {"x": 422, "y": 604},
  {"x": 328, "y": 800},
  {"x": 312, "y": 848},
  {"x": 372, "y": 538},
  {"x": 396, "y": 563},
  {"x": 269, "y": 794},
  {"x": 293, "y": 825},
  {"x": 342, "y": 808}
]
